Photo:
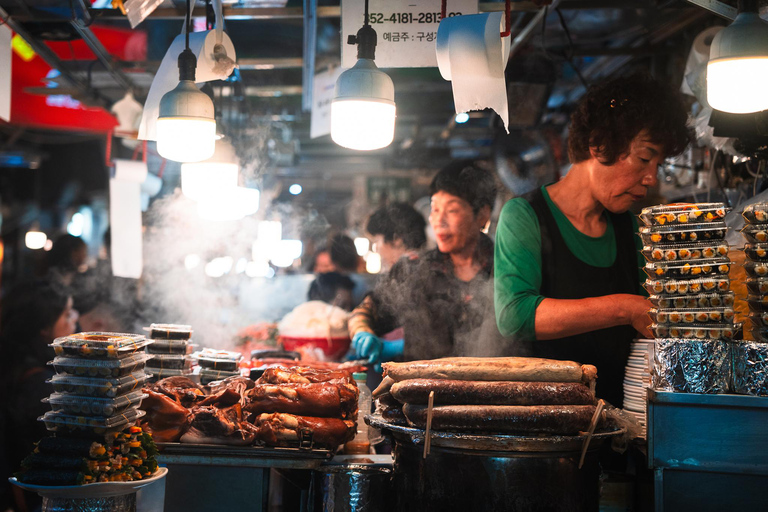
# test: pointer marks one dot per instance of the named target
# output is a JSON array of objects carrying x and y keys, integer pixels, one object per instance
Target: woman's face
[
  {"x": 65, "y": 324},
  {"x": 455, "y": 225},
  {"x": 323, "y": 263},
  {"x": 619, "y": 185}
]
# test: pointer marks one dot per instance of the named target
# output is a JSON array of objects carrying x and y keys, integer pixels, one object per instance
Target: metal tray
[
  {"x": 493, "y": 442},
  {"x": 243, "y": 456}
]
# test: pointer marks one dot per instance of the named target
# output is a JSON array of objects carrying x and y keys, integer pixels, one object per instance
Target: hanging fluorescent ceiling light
[
  {"x": 210, "y": 177},
  {"x": 186, "y": 129},
  {"x": 737, "y": 70},
  {"x": 363, "y": 107}
]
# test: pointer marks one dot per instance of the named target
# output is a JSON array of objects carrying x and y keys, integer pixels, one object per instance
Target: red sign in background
[{"x": 61, "y": 112}]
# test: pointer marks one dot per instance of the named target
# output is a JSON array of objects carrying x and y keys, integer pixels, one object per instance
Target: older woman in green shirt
[{"x": 567, "y": 283}]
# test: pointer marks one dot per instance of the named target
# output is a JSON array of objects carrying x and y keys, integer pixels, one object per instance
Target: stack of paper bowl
[
  {"x": 97, "y": 386},
  {"x": 637, "y": 378},
  {"x": 172, "y": 344}
]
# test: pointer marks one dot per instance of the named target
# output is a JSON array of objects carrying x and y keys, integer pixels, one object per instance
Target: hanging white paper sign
[{"x": 406, "y": 30}]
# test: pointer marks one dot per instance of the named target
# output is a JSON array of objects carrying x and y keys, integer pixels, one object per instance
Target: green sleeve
[
  {"x": 517, "y": 272},
  {"x": 640, "y": 258}
]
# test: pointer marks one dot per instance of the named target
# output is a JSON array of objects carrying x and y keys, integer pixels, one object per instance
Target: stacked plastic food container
[
  {"x": 750, "y": 358},
  {"x": 171, "y": 344},
  {"x": 217, "y": 364},
  {"x": 97, "y": 386},
  {"x": 693, "y": 316}
]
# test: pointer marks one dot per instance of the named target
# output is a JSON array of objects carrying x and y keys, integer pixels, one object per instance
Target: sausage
[
  {"x": 528, "y": 369},
  {"x": 508, "y": 419},
  {"x": 383, "y": 387},
  {"x": 462, "y": 392},
  {"x": 322, "y": 399}
]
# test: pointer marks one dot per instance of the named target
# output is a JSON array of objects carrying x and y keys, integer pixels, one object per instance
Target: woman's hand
[{"x": 637, "y": 308}]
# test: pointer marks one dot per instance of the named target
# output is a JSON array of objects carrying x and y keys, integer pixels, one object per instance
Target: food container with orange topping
[
  {"x": 99, "y": 345},
  {"x": 758, "y": 303},
  {"x": 676, "y": 287},
  {"x": 692, "y": 316},
  {"x": 652, "y": 235},
  {"x": 756, "y": 252},
  {"x": 757, "y": 285},
  {"x": 755, "y": 233},
  {"x": 169, "y": 331},
  {"x": 168, "y": 361},
  {"x": 94, "y": 406},
  {"x": 684, "y": 252},
  {"x": 698, "y": 331},
  {"x": 756, "y": 213},
  {"x": 57, "y": 421},
  {"x": 94, "y": 386},
  {"x": 100, "y": 367},
  {"x": 177, "y": 347},
  {"x": 683, "y": 214},
  {"x": 688, "y": 269},
  {"x": 700, "y": 300},
  {"x": 756, "y": 268}
]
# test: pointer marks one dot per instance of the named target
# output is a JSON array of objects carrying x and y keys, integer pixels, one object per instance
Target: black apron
[{"x": 564, "y": 276}]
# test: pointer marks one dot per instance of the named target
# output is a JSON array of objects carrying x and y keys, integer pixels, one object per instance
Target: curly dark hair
[
  {"x": 399, "y": 220},
  {"x": 464, "y": 179},
  {"x": 611, "y": 115}
]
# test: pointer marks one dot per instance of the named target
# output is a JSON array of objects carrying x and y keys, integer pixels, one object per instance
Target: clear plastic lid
[
  {"x": 209, "y": 375},
  {"x": 759, "y": 319},
  {"x": 94, "y": 406},
  {"x": 757, "y": 303},
  {"x": 100, "y": 339},
  {"x": 756, "y": 252},
  {"x": 223, "y": 355},
  {"x": 688, "y": 269},
  {"x": 101, "y": 387},
  {"x": 698, "y": 331},
  {"x": 756, "y": 213},
  {"x": 57, "y": 421},
  {"x": 756, "y": 268},
  {"x": 63, "y": 347},
  {"x": 755, "y": 233},
  {"x": 684, "y": 252},
  {"x": 683, "y": 213},
  {"x": 699, "y": 300},
  {"x": 161, "y": 373},
  {"x": 688, "y": 286},
  {"x": 170, "y": 331},
  {"x": 682, "y": 233},
  {"x": 177, "y": 347},
  {"x": 100, "y": 367},
  {"x": 757, "y": 285},
  {"x": 692, "y": 316}
]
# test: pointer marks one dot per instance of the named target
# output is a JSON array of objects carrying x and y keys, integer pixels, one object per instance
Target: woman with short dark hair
[
  {"x": 398, "y": 230},
  {"x": 442, "y": 298},
  {"x": 567, "y": 282}
]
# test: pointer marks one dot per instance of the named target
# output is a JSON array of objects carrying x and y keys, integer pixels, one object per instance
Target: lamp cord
[
  {"x": 366, "y": 13},
  {"x": 186, "y": 24}
]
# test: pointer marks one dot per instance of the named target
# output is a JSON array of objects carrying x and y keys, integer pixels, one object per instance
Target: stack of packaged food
[
  {"x": 693, "y": 316},
  {"x": 169, "y": 350},
  {"x": 217, "y": 364},
  {"x": 96, "y": 399},
  {"x": 750, "y": 358}
]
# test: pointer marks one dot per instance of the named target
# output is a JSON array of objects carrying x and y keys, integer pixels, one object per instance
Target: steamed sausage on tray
[{"x": 511, "y": 395}]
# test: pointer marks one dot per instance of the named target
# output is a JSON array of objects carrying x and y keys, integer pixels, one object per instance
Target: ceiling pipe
[{"x": 310, "y": 44}]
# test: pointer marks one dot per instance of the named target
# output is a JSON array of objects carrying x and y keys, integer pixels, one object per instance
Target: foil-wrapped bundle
[
  {"x": 750, "y": 368},
  {"x": 692, "y": 366}
]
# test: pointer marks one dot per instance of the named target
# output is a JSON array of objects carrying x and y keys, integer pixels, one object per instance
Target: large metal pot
[{"x": 515, "y": 481}]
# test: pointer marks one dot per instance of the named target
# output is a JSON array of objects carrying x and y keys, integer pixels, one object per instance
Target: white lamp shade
[
  {"x": 211, "y": 176},
  {"x": 737, "y": 70},
  {"x": 186, "y": 129},
  {"x": 363, "y": 109}
]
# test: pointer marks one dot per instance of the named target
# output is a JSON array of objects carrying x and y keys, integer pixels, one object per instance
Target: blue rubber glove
[
  {"x": 367, "y": 345},
  {"x": 392, "y": 349}
]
